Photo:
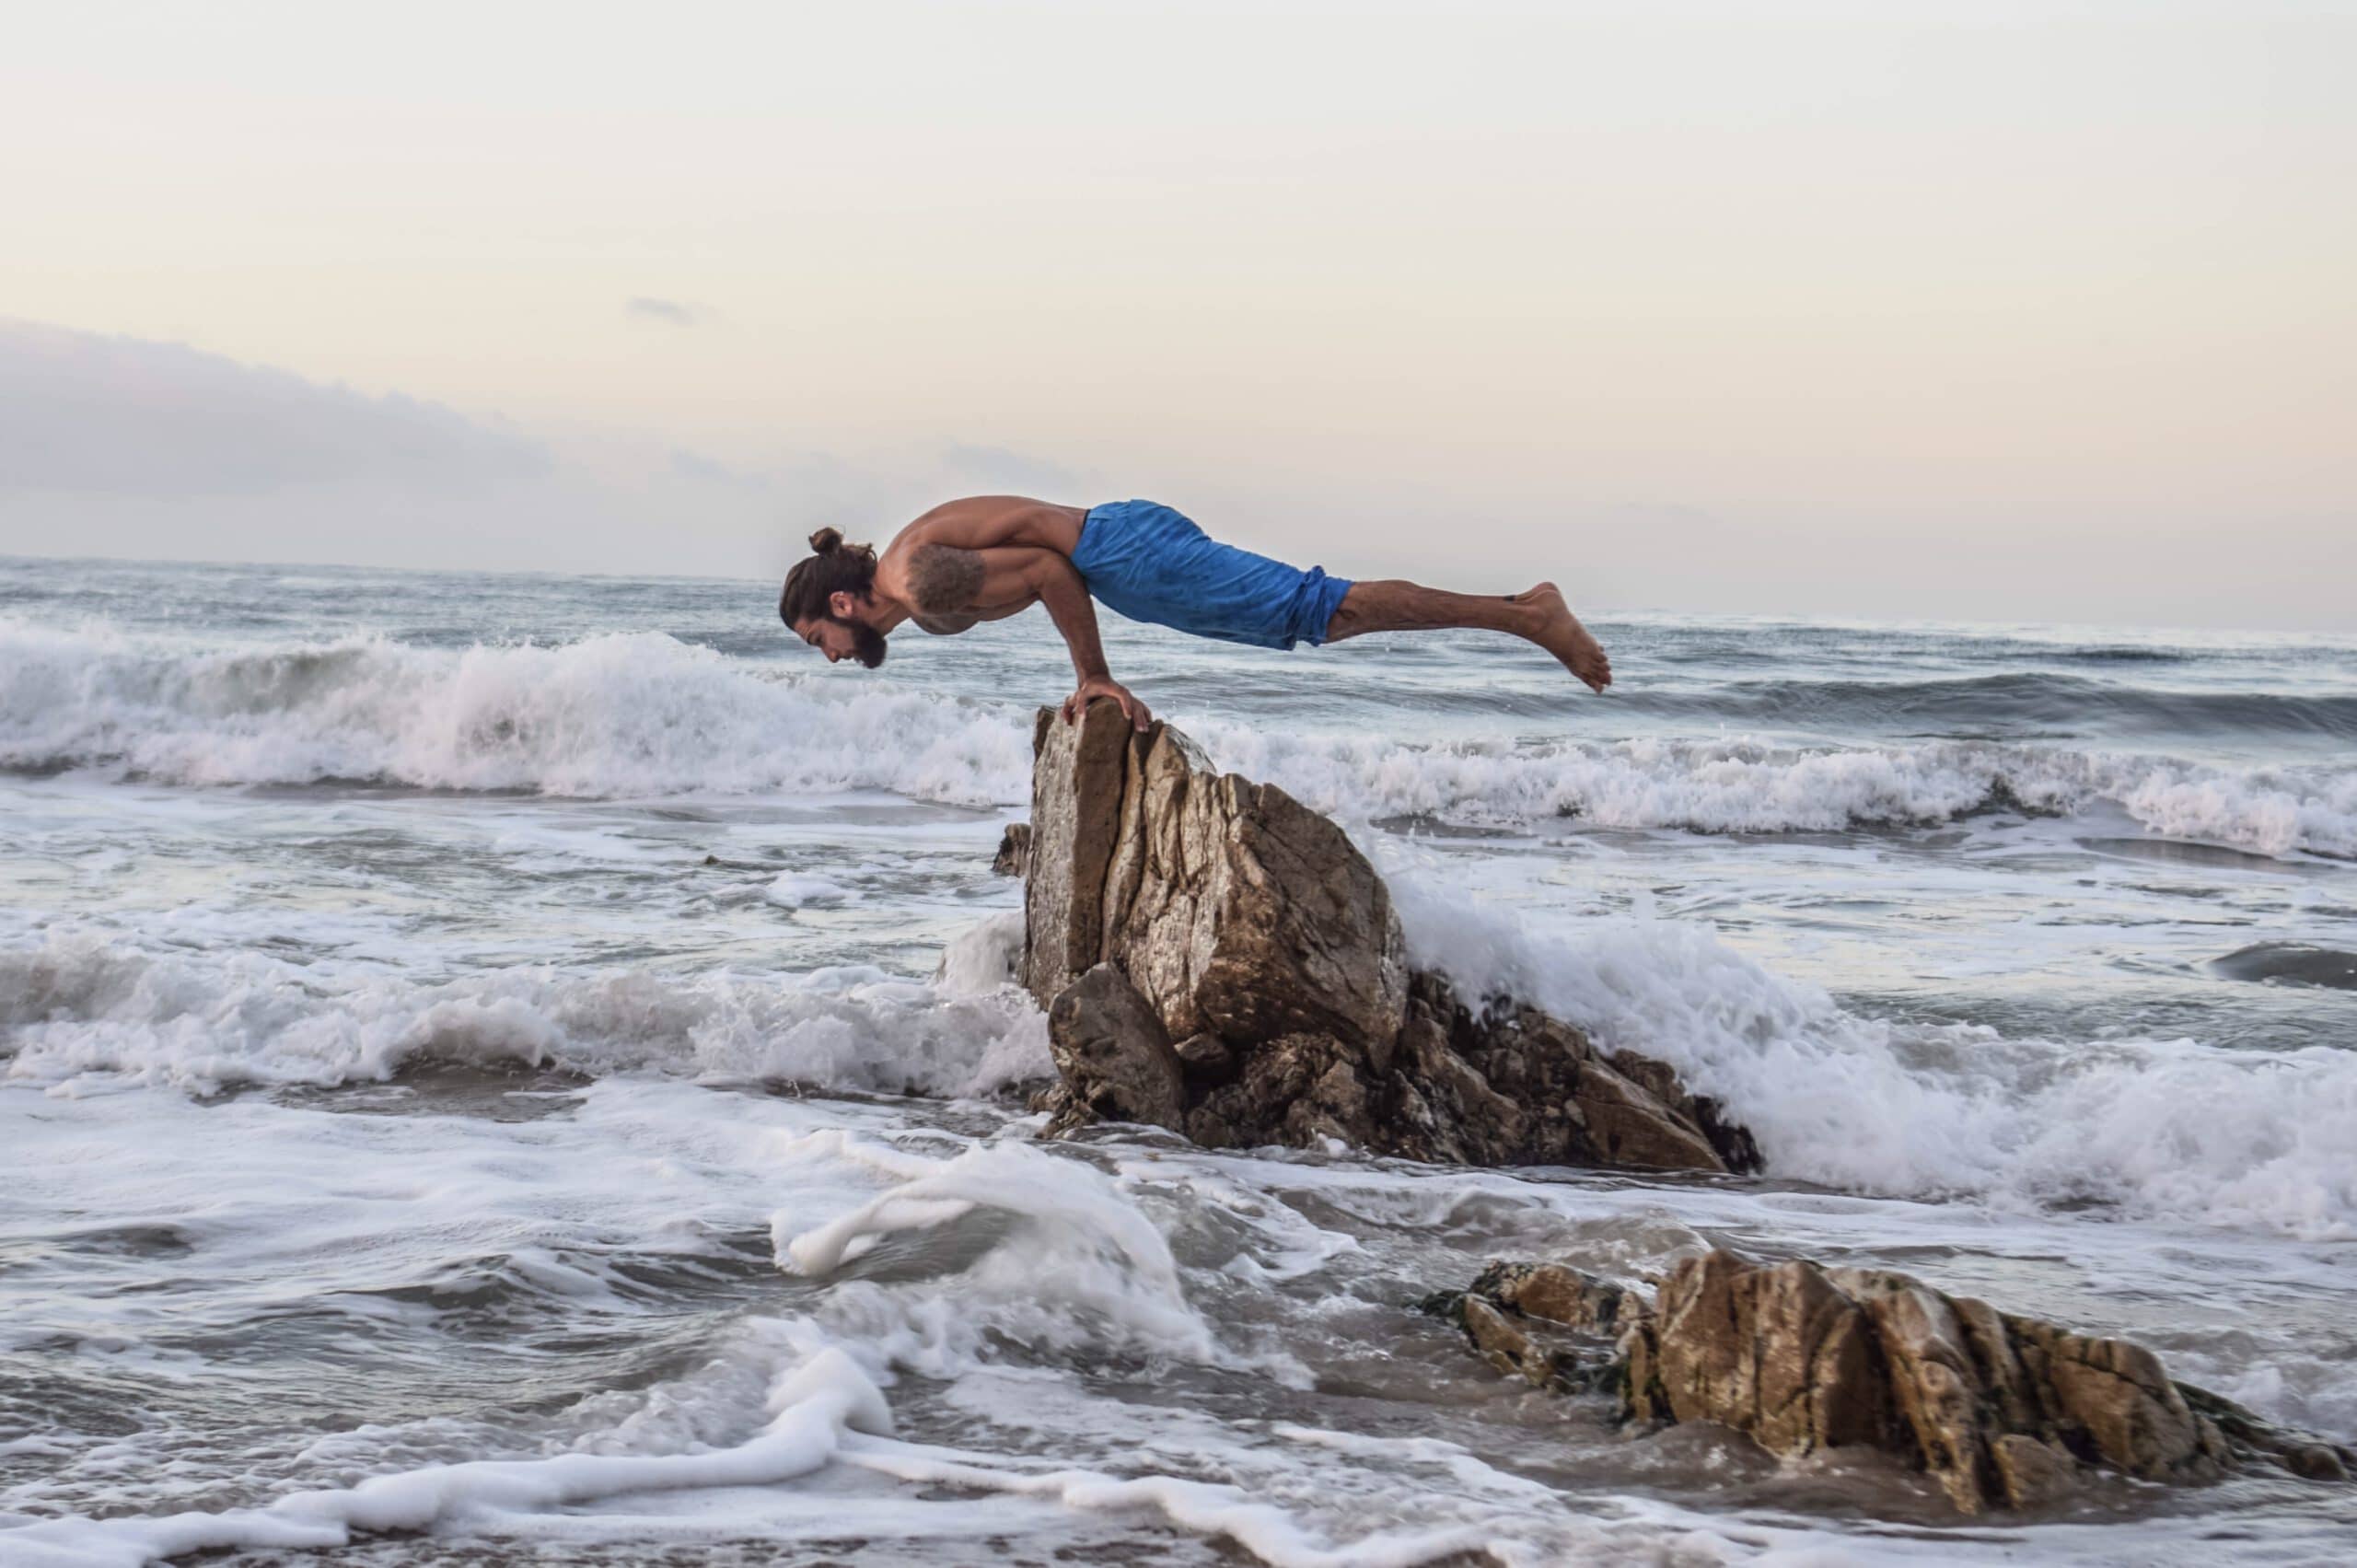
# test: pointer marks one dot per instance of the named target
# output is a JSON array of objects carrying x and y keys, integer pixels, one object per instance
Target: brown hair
[{"x": 833, "y": 568}]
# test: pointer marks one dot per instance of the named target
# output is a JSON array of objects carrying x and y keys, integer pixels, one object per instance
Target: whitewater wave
[
  {"x": 2019, "y": 699},
  {"x": 630, "y": 714},
  {"x": 1748, "y": 786},
  {"x": 642, "y": 714},
  {"x": 83, "y": 1008},
  {"x": 2168, "y": 1128}
]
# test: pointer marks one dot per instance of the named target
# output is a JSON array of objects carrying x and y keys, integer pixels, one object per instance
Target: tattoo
[{"x": 943, "y": 580}]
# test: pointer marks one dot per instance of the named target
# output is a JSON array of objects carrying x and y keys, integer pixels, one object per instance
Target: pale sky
[{"x": 1987, "y": 310}]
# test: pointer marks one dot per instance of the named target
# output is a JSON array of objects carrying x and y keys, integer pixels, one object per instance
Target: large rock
[
  {"x": 1266, "y": 947},
  {"x": 2003, "y": 1410}
]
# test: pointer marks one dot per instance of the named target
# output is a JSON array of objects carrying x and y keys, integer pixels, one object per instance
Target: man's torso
[{"x": 927, "y": 563}]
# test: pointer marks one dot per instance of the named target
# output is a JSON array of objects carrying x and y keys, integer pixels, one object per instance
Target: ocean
[{"x": 518, "y": 1069}]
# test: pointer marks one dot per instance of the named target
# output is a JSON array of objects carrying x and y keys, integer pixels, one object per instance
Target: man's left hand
[{"x": 1105, "y": 686}]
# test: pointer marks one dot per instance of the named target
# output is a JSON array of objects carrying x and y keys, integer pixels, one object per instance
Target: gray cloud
[
  {"x": 670, "y": 312},
  {"x": 86, "y": 415},
  {"x": 121, "y": 447}
]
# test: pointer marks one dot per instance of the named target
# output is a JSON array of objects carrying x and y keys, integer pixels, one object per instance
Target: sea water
[{"x": 520, "y": 1069}]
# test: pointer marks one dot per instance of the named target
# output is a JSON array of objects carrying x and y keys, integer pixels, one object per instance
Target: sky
[{"x": 1986, "y": 311}]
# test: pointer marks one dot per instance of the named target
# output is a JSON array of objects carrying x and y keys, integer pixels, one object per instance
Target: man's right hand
[{"x": 1105, "y": 686}]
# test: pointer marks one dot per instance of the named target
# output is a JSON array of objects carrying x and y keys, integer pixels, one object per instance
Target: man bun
[{"x": 826, "y": 542}]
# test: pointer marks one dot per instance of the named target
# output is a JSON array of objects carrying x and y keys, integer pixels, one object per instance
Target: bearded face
[
  {"x": 866, "y": 643},
  {"x": 839, "y": 637}
]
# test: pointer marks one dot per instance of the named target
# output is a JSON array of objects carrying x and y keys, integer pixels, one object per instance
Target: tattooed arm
[{"x": 950, "y": 589}]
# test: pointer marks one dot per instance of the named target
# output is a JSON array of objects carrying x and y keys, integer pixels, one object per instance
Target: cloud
[
  {"x": 998, "y": 469},
  {"x": 121, "y": 446},
  {"x": 670, "y": 312},
  {"x": 86, "y": 415}
]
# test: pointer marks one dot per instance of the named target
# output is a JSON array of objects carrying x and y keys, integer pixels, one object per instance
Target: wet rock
[
  {"x": 1266, "y": 945},
  {"x": 2291, "y": 963},
  {"x": 1112, "y": 1054},
  {"x": 1014, "y": 857},
  {"x": 2003, "y": 1410},
  {"x": 1510, "y": 1085},
  {"x": 1548, "y": 1324},
  {"x": 1556, "y": 1292},
  {"x": 2305, "y": 1454}
]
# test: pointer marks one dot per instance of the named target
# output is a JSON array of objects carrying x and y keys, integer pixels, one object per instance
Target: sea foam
[
  {"x": 86, "y": 1007},
  {"x": 2166, "y": 1128},
  {"x": 642, "y": 714}
]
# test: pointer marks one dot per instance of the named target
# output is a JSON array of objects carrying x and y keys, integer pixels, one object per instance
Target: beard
[{"x": 867, "y": 641}]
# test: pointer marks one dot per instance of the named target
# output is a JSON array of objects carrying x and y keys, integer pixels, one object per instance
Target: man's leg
[{"x": 1537, "y": 615}]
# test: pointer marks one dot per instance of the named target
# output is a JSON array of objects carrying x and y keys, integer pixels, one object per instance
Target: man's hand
[{"x": 1105, "y": 686}]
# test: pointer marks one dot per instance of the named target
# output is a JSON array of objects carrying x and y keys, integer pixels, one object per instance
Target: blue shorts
[{"x": 1151, "y": 563}]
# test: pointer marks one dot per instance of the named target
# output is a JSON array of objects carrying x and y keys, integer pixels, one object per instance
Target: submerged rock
[
  {"x": 1255, "y": 935},
  {"x": 2003, "y": 1410}
]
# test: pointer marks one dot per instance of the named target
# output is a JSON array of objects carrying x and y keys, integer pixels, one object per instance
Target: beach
[{"x": 506, "y": 1067}]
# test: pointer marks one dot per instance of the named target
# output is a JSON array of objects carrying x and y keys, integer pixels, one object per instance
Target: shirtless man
[{"x": 987, "y": 557}]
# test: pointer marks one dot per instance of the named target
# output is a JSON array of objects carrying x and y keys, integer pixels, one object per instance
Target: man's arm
[
  {"x": 1059, "y": 587},
  {"x": 952, "y": 588}
]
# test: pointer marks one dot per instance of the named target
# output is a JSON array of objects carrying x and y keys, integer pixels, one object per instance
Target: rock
[
  {"x": 1801, "y": 1358},
  {"x": 1555, "y": 1293},
  {"x": 1510, "y": 1348},
  {"x": 2003, "y": 1410},
  {"x": 2034, "y": 1473},
  {"x": 1112, "y": 1054},
  {"x": 1237, "y": 909},
  {"x": 1014, "y": 857},
  {"x": 1267, "y": 946},
  {"x": 1513, "y": 1085},
  {"x": 2305, "y": 1454},
  {"x": 1206, "y": 1059},
  {"x": 1778, "y": 1354},
  {"x": 1077, "y": 775},
  {"x": 1548, "y": 1324}
]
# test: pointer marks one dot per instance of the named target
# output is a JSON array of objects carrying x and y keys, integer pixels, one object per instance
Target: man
[{"x": 986, "y": 557}]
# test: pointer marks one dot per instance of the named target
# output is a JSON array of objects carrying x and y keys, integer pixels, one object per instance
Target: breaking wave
[
  {"x": 1749, "y": 786},
  {"x": 84, "y": 1006},
  {"x": 2147, "y": 1127},
  {"x": 2150, "y": 1127},
  {"x": 631, "y": 715},
  {"x": 644, "y": 714}
]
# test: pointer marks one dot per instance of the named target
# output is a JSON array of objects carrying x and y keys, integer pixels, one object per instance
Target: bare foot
[{"x": 1559, "y": 633}]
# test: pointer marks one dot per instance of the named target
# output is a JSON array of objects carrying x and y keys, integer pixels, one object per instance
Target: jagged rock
[
  {"x": 1513, "y": 1085},
  {"x": 1548, "y": 1324},
  {"x": 1076, "y": 774},
  {"x": 1239, "y": 911},
  {"x": 1014, "y": 857},
  {"x": 2305, "y": 1454},
  {"x": 1556, "y": 1292},
  {"x": 1801, "y": 1358},
  {"x": 1112, "y": 1054},
  {"x": 1267, "y": 946},
  {"x": 2005, "y": 1410}
]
